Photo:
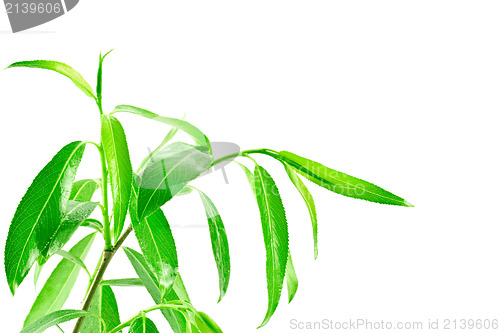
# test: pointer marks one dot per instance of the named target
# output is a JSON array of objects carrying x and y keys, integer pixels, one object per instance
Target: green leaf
[
  {"x": 132, "y": 282},
  {"x": 83, "y": 190},
  {"x": 249, "y": 176},
  {"x": 292, "y": 282},
  {"x": 205, "y": 324},
  {"x": 71, "y": 257},
  {"x": 199, "y": 137},
  {"x": 103, "y": 305},
  {"x": 145, "y": 273},
  {"x": 186, "y": 190},
  {"x": 167, "y": 138},
  {"x": 157, "y": 244},
  {"x": 40, "y": 212},
  {"x": 275, "y": 231},
  {"x": 53, "y": 319},
  {"x": 308, "y": 199},
  {"x": 220, "y": 245},
  {"x": 58, "y": 286},
  {"x": 167, "y": 174},
  {"x": 340, "y": 182},
  {"x": 178, "y": 292},
  {"x": 92, "y": 223},
  {"x": 115, "y": 148},
  {"x": 60, "y": 68},
  {"x": 143, "y": 325},
  {"x": 109, "y": 308},
  {"x": 76, "y": 214},
  {"x": 99, "y": 78}
]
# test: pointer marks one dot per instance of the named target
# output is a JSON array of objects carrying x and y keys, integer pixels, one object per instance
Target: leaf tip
[
  {"x": 269, "y": 314},
  {"x": 264, "y": 323},
  {"x": 11, "y": 65},
  {"x": 407, "y": 204},
  {"x": 13, "y": 287},
  {"x": 221, "y": 296}
]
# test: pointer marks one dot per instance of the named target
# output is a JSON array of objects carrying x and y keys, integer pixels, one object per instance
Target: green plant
[{"x": 56, "y": 205}]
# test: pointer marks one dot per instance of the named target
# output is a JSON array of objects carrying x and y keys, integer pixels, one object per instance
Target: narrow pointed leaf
[
  {"x": 178, "y": 292},
  {"x": 275, "y": 231},
  {"x": 249, "y": 176},
  {"x": 205, "y": 324},
  {"x": 292, "y": 282},
  {"x": 99, "y": 77},
  {"x": 76, "y": 213},
  {"x": 109, "y": 308},
  {"x": 144, "y": 273},
  {"x": 308, "y": 199},
  {"x": 186, "y": 190},
  {"x": 220, "y": 245},
  {"x": 117, "y": 155},
  {"x": 83, "y": 190},
  {"x": 167, "y": 138},
  {"x": 60, "y": 68},
  {"x": 92, "y": 223},
  {"x": 58, "y": 286},
  {"x": 103, "y": 305},
  {"x": 199, "y": 137},
  {"x": 157, "y": 244},
  {"x": 40, "y": 212},
  {"x": 132, "y": 282},
  {"x": 53, "y": 319},
  {"x": 171, "y": 170},
  {"x": 340, "y": 182},
  {"x": 143, "y": 325},
  {"x": 74, "y": 259}
]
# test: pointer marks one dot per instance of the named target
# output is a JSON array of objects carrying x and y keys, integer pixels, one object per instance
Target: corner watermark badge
[{"x": 26, "y": 14}]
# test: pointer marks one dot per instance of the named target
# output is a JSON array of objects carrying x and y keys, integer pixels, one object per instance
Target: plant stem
[
  {"x": 91, "y": 281},
  {"x": 106, "y": 258},
  {"x": 264, "y": 151},
  {"x": 105, "y": 205},
  {"x": 104, "y": 188}
]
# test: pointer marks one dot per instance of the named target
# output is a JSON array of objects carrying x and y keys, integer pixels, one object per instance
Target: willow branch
[{"x": 106, "y": 259}]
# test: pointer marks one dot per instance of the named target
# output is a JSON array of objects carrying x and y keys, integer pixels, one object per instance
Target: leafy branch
[{"x": 55, "y": 206}]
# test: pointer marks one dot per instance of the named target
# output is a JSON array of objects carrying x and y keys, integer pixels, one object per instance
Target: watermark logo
[
  {"x": 169, "y": 170},
  {"x": 219, "y": 150},
  {"x": 26, "y": 14}
]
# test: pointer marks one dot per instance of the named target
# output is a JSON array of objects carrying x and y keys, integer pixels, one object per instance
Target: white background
[{"x": 401, "y": 93}]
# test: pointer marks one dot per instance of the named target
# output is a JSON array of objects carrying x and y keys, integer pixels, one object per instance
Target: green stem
[
  {"x": 264, "y": 151},
  {"x": 91, "y": 281},
  {"x": 152, "y": 308},
  {"x": 107, "y": 255},
  {"x": 105, "y": 204},
  {"x": 251, "y": 158}
]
